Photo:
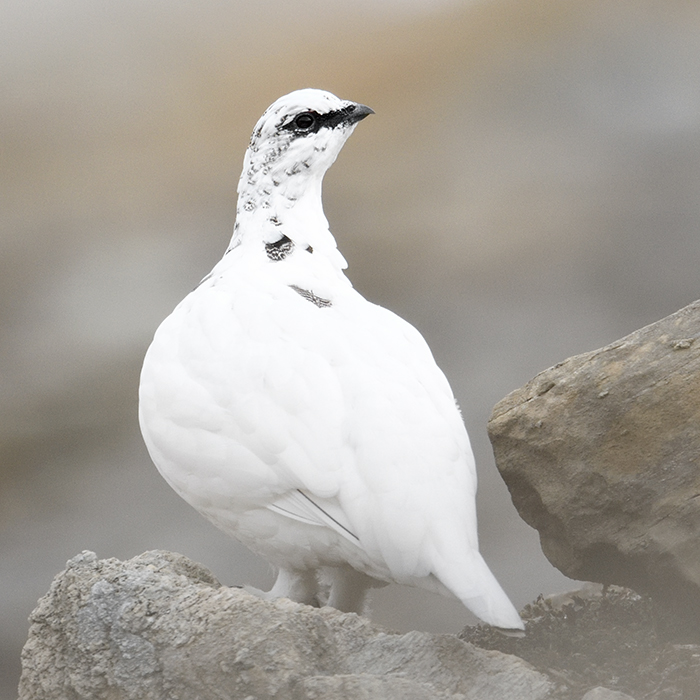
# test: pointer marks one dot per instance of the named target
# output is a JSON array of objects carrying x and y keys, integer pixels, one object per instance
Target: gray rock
[
  {"x": 601, "y": 454},
  {"x": 601, "y": 693},
  {"x": 160, "y": 626},
  {"x": 363, "y": 686}
]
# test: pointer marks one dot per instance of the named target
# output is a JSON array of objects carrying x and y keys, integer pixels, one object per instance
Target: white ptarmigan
[{"x": 303, "y": 420}]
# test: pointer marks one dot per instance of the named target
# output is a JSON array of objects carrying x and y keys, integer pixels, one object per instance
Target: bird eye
[{"x": 305, "y": 121}]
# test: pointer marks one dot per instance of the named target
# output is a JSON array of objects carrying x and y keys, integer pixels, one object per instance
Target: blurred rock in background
[{"x": 528, "y": 190}]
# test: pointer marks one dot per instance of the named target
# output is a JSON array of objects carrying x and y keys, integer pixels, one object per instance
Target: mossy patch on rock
[{"x": 610, "y": 637}]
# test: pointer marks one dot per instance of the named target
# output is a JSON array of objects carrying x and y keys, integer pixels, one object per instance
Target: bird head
[
  {"x": 293, "y": 144},
  {"x": 297, "y": 139}
]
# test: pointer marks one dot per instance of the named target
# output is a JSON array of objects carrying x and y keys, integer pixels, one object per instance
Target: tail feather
[{"x": 477, "y": 588}]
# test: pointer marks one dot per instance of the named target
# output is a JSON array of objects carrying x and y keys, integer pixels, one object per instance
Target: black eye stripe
[{"x": 329, "y": 120}]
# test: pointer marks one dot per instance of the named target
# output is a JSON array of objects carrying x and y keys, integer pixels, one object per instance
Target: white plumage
[{"x": 305, "y": 421}]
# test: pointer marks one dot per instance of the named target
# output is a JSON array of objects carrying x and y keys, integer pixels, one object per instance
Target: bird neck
[{"x": 275, "y": 201}]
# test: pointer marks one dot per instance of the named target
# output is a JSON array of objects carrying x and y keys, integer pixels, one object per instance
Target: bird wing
[{"x": 313, "y": 510}]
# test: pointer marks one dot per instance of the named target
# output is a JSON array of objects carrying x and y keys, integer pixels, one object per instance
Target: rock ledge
[{"x": 160, "y": 626}]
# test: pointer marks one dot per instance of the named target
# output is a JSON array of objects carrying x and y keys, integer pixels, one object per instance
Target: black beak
[
  {"x": 359, "y": 113},
  {"x": 351, "y": 114}
]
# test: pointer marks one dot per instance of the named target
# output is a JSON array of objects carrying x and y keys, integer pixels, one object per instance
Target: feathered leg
[
  {"x": 299, "y": 586},
  {"x": 349, "y": 589}
]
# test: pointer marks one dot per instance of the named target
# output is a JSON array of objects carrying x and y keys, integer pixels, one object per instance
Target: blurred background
[{"x": 527, "y": 190}]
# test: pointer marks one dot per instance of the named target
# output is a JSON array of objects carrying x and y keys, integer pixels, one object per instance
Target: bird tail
[{"x": 480, "y": 592}]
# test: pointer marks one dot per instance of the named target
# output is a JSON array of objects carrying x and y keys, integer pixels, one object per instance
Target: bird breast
[{"x": 249, "y": 391}]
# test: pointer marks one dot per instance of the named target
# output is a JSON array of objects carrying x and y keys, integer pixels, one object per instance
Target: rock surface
[
  {"x": 600, "y": 642},
  {"x": 160, "y": 626},
  {"x": 601, "y": 454},
  {"x": 601, "y": 693}
]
